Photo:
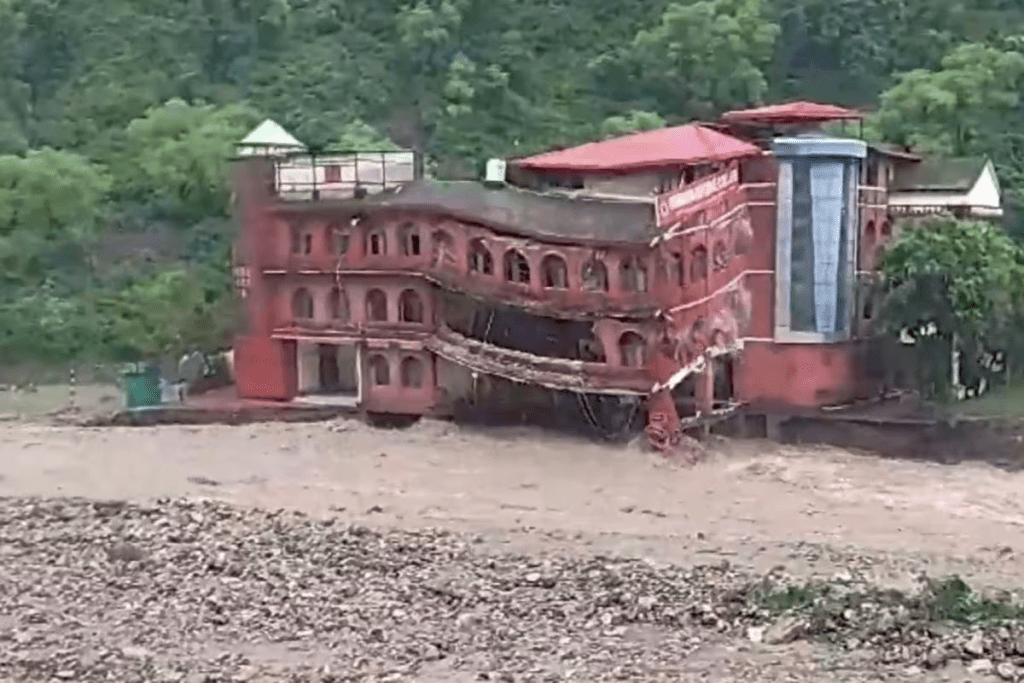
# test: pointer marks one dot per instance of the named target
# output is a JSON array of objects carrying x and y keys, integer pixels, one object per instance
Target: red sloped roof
[
  {"x": 793, "y": 112},
  {"x": 681, "y": 145}
]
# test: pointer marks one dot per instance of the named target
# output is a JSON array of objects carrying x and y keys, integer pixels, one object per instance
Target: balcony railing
[
  {"x": 553, "y": 373},
  {"x": 342, "y": 175},
  {"x": 873, "y": 196}
]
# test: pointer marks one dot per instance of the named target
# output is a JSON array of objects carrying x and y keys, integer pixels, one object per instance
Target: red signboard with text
[{"x": 681, "y": 204}]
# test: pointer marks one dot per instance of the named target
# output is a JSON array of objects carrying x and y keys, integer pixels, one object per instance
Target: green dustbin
[{"x": 141, "y": 387}]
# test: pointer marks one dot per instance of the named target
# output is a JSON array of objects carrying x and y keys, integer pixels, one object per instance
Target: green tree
[
  {"x": 42, "y": 324},
  {"x": 428, "y": 44},
  {"x": 358, "y": 136},
  {"x": 317, "y": 87},
  {"x": 836, "y": 51},
  {"x": 961, "y": 108},
  {"x": 180, "y": 151},
  {"x": 970, "y": 106},
  {"x": 633, "y": 122},
  {"x": 701, "y": 58},
  {"x": 50, "y": 201},
  {"x": 954, "y": 285},
  {"x": 14, "y": 92},
  {"x": 165, "y": 315}
]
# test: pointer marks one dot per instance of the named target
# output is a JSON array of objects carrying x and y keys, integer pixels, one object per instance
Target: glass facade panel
[{"x": 816, "y": 240}]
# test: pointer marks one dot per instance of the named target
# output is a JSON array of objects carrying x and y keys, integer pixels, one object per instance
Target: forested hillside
[{"x": 117, "y": 116}]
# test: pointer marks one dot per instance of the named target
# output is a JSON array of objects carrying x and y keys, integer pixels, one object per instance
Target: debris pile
[{"x": 201, "y": 591}]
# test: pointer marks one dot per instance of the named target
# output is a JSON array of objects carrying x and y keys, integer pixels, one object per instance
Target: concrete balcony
[
  {"x": 555, "y": 302},
  {"x": 761, "y": 193},
  {"x": 376, "y": 335},
  {"x": 553, "y": 373}
]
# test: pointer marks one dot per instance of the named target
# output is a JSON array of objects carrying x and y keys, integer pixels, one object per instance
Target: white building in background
[{"x": 964, "y": 187}]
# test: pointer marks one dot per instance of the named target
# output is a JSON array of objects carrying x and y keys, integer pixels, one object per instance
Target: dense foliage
[
  {"x": 956, "y": 286},
  {"x": 116, "y": 116}
]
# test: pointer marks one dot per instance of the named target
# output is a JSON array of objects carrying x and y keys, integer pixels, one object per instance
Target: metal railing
[
  {"x": 80, "y": 389},
  {"x": 318, "y": 176}
]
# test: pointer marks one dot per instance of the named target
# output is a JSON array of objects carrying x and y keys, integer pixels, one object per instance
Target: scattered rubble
[{"x": 185, "y": 592}]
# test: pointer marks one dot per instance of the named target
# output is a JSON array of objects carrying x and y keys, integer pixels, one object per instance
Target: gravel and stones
[{"x": 193, "y": 591}]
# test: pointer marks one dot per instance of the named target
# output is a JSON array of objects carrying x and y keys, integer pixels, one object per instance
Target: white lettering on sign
[{"x": 672, "y": 204}]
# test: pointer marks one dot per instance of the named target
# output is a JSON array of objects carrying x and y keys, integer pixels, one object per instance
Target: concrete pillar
[{"x": 704, "y": 392}]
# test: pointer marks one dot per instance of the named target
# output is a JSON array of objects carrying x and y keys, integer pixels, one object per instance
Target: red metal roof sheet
[
  {"x": 677, "y": 146},
  {"x": 792, "y": 112}
]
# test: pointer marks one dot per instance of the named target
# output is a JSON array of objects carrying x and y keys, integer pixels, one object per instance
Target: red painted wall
[
  {"x": 265, "y": 368},
  {"x": 796, "y": 375},
  {"x": 393, "y": 397}
]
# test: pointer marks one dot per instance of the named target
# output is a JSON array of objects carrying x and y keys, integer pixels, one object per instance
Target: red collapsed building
[{"x": 649, "y": 278}]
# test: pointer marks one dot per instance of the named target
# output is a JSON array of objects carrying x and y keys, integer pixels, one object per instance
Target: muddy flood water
[{"x": 759, "y": 506}]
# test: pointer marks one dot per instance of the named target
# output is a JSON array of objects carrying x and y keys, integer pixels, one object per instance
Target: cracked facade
[{"x": 642, "y": 280}]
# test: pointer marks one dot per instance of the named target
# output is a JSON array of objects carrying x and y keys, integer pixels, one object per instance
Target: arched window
[
  {"x": 302, "y": 304},
  {"x": 869, "y": 233},
  {"x": 632, "y": 350},
  {"x": 376, "y": 306},
  {"x": 380, "y": 371},
  {"x": 886, "y": 230},
  {"x": 719, "y": 256},
  {"x": 633, "y": 274},
  {"x": 376, "y": 242},
  {"x": 412, "y": 372},
  {"x": 339, "y": 305},
  {"x": 337, "y": 239},
  {"x": 409, "y": 235},
  {"x": 410, "y": 307},
  {"x": 680, "y": 266},
  {"x": 480, "y": 260},
  {"x": 554, "y": 271},
  {"x": 517, "y": 268},
  {"x": 698, "y": 264},
  {"x": 443, "y": 247},
  {"x": 595, "y": 276}
]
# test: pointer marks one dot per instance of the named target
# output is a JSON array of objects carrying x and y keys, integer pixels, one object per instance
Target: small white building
[
  {"x": 269, "y": 139},
  {"x": 301, "y": 175},
  {"x": 964, "y": 187}
]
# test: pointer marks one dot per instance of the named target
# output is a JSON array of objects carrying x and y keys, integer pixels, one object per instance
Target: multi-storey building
[{"x": 646, "y": 278}]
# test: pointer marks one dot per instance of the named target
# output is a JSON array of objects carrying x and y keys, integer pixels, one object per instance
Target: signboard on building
[{"x": 682, "y": 203}]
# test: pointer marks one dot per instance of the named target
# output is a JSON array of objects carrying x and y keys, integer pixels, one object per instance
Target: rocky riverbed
[{"x": 191, "y": 591}]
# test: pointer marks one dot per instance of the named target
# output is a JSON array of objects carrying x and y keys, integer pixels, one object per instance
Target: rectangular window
[
  {"x": 332, "y": 173},
  {"x": 872, "y": 179},
  {"x": 801, "y": 288},
  {"x": 818, "y": 247},
  {"x": 340, "y": 242},
  {"x": 815, "y": 273}
]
